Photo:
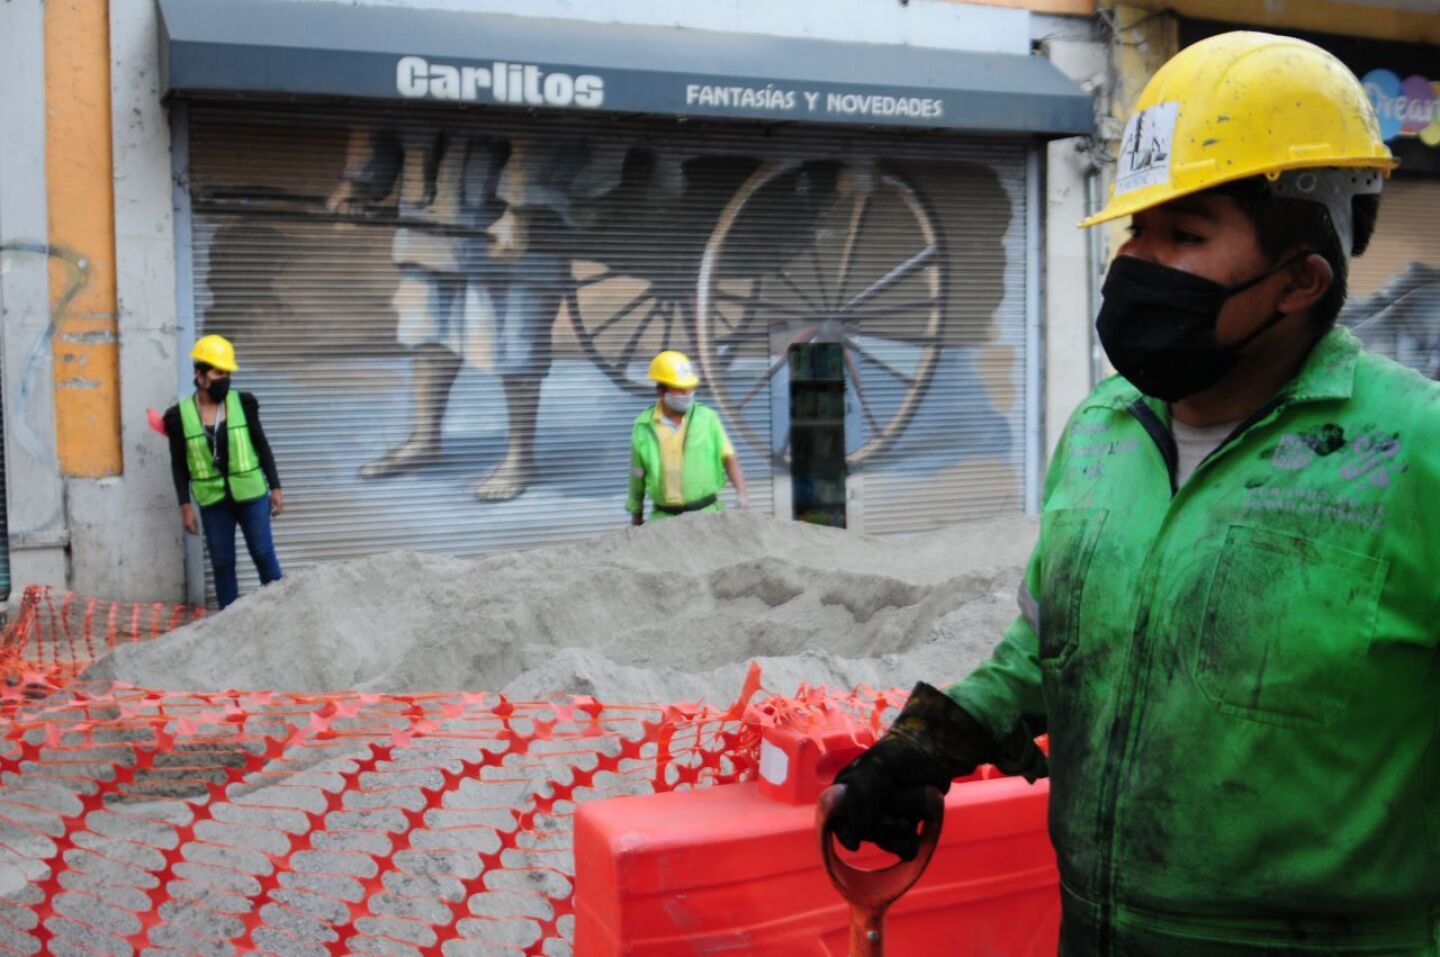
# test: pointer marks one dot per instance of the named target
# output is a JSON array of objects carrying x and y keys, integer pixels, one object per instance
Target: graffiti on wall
[{"x": 74, "y": 271}]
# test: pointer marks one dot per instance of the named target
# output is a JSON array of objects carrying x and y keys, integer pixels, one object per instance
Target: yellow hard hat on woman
[
  {"x": 215, "y": 351},
  {"x": 1246, "y": 104},
  {"x": 673, "y": 369}
]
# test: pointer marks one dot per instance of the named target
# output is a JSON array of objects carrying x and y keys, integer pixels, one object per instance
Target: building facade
[{"x": 446, "y": 238}]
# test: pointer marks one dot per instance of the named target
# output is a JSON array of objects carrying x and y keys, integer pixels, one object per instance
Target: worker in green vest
[
  {"x": 1230, "y": 624},
  {"x": 219, "y": 456},
  {"x": 679, "y": 453}
]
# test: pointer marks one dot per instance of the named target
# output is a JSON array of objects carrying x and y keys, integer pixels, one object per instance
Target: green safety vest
[
  {"x": 1240, "y": 677},
  {"x": 246, "y": 480},
  {"x": 703, "y": 471}
]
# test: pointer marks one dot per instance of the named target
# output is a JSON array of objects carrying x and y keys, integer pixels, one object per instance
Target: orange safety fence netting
[
  {"x": 135, "y": 821},
  {"x": 53, "y": 637}
]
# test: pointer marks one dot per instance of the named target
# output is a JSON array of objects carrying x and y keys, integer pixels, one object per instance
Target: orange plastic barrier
[
  {"x": 55, "y": 636},
  {"x": 736, "y": 869}
]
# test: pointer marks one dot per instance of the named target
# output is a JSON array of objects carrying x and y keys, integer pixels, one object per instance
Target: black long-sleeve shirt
[{"x": 180, "y": 469}]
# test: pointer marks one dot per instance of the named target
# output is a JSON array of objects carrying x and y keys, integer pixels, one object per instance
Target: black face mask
[
  {"x": 218, "y": 389},
  {"x": 1158, "y": 326}
]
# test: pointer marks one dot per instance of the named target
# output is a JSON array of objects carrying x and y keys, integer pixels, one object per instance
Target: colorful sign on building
[{"x": 1408, "y": 107}]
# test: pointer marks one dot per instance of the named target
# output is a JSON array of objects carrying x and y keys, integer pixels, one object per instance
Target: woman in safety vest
[{"x": 219, "y": 455}]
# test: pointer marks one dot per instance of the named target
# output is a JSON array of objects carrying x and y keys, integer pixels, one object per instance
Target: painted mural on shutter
[{"x": 447, "y": 316}]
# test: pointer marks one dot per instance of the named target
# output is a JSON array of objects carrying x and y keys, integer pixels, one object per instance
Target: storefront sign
[
  {"x": 1408, "y": 107},
  {"x": 529, "y": 84},
  {"x": 291, "y": 48}
]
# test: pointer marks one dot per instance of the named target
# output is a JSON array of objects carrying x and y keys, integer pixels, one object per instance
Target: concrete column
[
  {"x": 127, "y": 534},
  {"x": 1071, "y": 272},
  {"x": 35, "y": 493}
]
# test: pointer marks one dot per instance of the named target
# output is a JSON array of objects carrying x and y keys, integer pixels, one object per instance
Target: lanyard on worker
[{"x": 214, "y": 440}]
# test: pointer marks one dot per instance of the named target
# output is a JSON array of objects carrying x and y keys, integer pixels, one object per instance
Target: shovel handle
[{"x": 871, "y": 892}]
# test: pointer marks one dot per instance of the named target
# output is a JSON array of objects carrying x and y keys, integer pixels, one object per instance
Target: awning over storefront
[{"x": 303, "y": 48}]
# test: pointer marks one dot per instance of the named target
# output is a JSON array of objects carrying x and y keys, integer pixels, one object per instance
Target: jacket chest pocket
[
  {"x": 1070, "y": 536},
  {"x": 699, "y": 447},
  {"x": 1287, "y": 622}
]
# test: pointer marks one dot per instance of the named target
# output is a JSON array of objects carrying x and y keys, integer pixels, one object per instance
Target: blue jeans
[{"x": 253, "y": 518}]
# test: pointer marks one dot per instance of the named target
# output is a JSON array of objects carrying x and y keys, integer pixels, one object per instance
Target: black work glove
[{"x": 932, "y": 742}]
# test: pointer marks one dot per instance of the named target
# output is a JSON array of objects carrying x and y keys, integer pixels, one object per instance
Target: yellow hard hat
[
  {"x": 215, "y": 351},
  {"x": 673, "y": 369},
  {"x": 1248, "y": 104}
]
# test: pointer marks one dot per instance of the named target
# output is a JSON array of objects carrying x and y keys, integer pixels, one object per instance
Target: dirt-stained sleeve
[{"x": 1006, "y": 692}]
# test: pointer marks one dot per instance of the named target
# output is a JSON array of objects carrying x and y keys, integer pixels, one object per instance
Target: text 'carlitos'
[{"x": 520, "y": 84}]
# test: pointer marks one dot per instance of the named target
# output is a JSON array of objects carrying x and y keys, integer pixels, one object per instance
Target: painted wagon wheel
[
  {"x": 871, "y": 273},
  {"x": 621, "y": 321}
]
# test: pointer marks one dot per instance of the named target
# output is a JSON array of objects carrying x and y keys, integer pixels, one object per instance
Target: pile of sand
[{"x": 670, "y": 611}]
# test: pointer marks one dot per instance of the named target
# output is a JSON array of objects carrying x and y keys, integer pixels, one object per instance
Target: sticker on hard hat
[
  {"x": 682, "y": 370},
  {"x": 1145, "y": 151}
]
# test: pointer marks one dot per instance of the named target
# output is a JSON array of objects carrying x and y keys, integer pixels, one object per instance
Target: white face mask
[{"x": 678, "y": 403}]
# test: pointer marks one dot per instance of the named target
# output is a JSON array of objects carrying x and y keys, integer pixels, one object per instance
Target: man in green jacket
[
  {"x": 1229, "y": 623},
  {"x": 679, "y": 453}
]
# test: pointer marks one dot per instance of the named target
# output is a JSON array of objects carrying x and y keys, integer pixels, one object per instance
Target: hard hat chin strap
[{"x": 1334, "y": 188}]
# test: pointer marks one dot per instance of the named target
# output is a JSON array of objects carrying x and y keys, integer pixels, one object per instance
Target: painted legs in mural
[
  {"x": 481, "y": 270},
  {"x": 430, "y": 303},
  {"x": 497, "y": 318},
  {"x": 525, "y": 310},
  {"x": 517, "y": 470},
  {"x": 433, "y": 372}
]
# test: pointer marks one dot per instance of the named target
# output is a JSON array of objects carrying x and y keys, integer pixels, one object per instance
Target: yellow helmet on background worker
[
  {"x": 216, "y": 352},
  {"x": 673, "y": 369},
  {"x": 1246, "y": 104}
]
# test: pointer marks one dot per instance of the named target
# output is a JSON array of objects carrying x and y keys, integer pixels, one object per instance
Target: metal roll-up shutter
[
  {"x": 1395, "y": 286},
  {"x": 962, "y": 455},
  {"x": 435, "y": 273}
]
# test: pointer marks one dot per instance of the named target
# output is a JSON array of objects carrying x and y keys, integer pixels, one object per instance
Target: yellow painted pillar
[{"x": 81, "y": 202}]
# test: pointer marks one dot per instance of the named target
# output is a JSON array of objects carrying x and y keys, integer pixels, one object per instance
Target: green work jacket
[
  {"x": 244, "y": 476},
  {"x": 1240, "y": 677},
  {"x": 704, "y": 469}
]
